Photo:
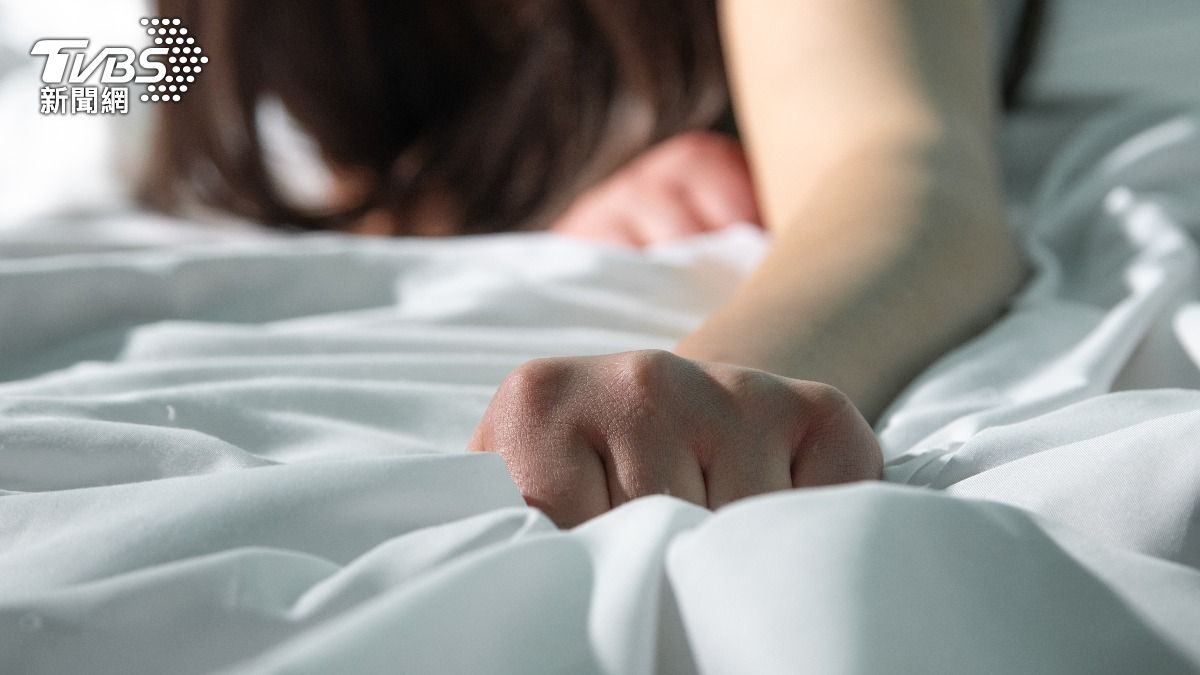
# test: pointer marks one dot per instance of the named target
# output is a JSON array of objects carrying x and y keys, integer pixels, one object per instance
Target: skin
[
  {"x": 867, "y": 127},
  {"x": 685, "y": 186},
  {"x": 608, "y": 429}
]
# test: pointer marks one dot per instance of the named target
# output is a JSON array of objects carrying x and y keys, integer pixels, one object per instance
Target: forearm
[
  {"x": 898, "y": 254},
  {"x": 868, "y": 126}
]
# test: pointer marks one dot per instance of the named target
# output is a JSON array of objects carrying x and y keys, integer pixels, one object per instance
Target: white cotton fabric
[{"x": 245, "y": 457}]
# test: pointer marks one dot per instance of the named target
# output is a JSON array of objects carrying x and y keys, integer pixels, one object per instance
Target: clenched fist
[{"x": 582, "y": 435}]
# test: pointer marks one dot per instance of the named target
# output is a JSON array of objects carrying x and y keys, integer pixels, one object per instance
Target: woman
[{"x": 867, "y": 128}]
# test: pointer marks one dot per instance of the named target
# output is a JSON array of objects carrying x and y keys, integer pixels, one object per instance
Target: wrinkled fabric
[{"x": 246, "y": 457}]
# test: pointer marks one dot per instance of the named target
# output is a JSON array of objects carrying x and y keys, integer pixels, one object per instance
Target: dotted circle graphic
[{"x": 184, "y": 60}]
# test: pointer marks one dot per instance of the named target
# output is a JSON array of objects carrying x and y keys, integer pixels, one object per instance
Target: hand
[
  {"x": 583, "y": 435},
  {"x": 687, "y": 185}
]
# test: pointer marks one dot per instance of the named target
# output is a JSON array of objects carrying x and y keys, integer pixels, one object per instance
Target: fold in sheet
[{"x": 247, "y": 458}]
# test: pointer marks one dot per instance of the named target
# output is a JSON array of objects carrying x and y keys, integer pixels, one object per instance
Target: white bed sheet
[{"x": 245, "y": 457}]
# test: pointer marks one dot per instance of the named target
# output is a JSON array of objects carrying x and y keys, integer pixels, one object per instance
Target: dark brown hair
[{"x": 502, "y": 108}]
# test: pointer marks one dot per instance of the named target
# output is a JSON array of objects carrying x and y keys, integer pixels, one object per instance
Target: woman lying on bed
[{"x": 867, "y": 131}]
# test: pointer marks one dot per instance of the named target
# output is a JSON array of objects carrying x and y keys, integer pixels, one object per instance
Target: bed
[{"x": 227, "y": 450}]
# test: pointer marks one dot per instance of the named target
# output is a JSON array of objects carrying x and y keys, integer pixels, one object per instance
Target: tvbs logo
[
  {"x": 166, "y": 69},
  {"x": 117, "y": 63}
]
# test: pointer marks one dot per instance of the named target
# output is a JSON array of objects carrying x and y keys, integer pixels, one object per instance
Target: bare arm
[
  {"x": 868, "y": 127},
  {"x": 867, "y": 124}
]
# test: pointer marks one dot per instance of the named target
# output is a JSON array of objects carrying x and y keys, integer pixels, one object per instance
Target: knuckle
[
  {"x": 825, "y": 401},
  {"x": 827, "y": 407},
  {"x": 641, "y": 385},
  {"x": 755, "y": 393},
  {"x": 653, "y": 359},
  {"x": 646, "y": 369},
  {"x": 747, "y": 383},
  {"x": 534, "y": 383},
  {"x": 831, "y": 399}
]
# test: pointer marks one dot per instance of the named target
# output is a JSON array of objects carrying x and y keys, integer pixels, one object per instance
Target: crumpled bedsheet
[{"x": 246, "y": 457}]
